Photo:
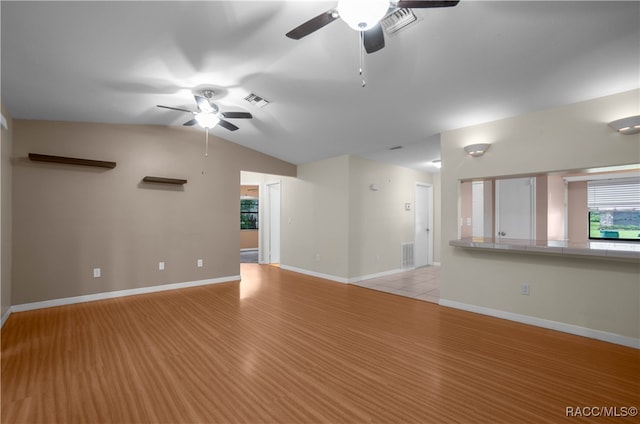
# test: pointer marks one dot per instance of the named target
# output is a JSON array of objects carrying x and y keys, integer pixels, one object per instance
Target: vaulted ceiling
[{"x": 479, "y": 61}]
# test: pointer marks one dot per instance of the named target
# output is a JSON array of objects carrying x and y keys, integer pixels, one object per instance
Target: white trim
[
  {"x": 249, "y": 249},
  {"x": 315, "y": 274},
  {"x": 378, "y": 275},
  {"x": 545, "y": 323},
  {"x": 436, "y": 264},
  {"x": 119, "y": 293},
  {"x": 5, "y": 317}
]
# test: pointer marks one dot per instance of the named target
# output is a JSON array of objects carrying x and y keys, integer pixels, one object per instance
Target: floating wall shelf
[
  {"x": 71, "y": 161},
  {"x": 162, "y": 180}
]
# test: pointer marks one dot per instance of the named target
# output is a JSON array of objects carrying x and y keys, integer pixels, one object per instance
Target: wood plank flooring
[{"x": 281, "y": 347}]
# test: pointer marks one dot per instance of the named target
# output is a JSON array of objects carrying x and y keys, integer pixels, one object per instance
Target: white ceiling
[{"x": 476, "y": 62}]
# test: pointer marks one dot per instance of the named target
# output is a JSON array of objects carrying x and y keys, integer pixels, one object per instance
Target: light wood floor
[{"x": 280, "y": 347}]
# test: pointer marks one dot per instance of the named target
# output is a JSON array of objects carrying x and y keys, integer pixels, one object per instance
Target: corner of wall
[{"x": 6, "y": 169}]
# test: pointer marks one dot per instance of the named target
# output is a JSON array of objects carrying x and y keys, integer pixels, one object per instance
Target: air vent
[
  {"x": 257, "y": 101},
  {"x": 398, "y": 20}
]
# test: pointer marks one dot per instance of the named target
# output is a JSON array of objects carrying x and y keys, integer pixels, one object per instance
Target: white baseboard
[
  {"x": 315, "y": 274},
  {"x": 378, "y": 275},
  {"x": 119, "y": 293},
  {"x": 545, "y": 323},
  {"x": 5, "y": 317}
]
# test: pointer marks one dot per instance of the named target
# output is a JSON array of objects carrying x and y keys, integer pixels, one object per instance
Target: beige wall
[
  {"x": 600, "y": 295},
  {"x": 315, "y": 223},
  {"x": 333, "y": 223},
  {"x": 248, "y": 239},
  {"x": 6, "y": 142},
  {"x": 555, "y": 202},
  {"x": 70, "y": 219},
  {"x": 577, "y": 211},
  {"x": 378, "y": 221}
]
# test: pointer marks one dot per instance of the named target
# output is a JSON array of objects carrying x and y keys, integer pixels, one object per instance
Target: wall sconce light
[
  {"x": 437, "y": 163},
  {"x": 630, "y": 125},
  {"x": 476, "y": 150}
]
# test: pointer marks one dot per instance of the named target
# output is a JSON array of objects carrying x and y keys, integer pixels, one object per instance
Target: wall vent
[
  {"x": 257, "y": 101},
  {"x": 407, "y": 255},
  {"x": 398, "y": 20}
]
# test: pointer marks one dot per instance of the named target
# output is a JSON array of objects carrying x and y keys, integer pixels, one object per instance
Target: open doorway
[
  {"x": 262, "y": 243},
  {"x": 249, "y": 223}
]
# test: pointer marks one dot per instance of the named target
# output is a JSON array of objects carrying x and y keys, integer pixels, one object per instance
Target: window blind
[{"x": 616, "y": 193}]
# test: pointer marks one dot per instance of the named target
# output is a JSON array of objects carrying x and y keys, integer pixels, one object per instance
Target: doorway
[{"x": 423, "y": 224}]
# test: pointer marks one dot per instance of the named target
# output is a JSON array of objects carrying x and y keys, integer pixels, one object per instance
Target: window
[
  {"x": 614, "y": 208},
  {"x": 248, "y": 214}
]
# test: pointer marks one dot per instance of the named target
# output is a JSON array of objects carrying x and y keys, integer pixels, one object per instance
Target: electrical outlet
[
  {"x": 317, "y": 257},
  {"x": 161, "y": 266},
  {"x": 524, "y": 289},
  {"x": 97, "y": 273},
  {"x": 200, "y": 263}
]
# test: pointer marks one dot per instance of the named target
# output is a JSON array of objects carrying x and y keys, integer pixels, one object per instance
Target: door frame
[
  {"x": 429, "y": 210},
  {"x": 265, "y": 233}
]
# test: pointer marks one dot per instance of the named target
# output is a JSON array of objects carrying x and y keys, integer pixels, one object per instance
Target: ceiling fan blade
[
  {"x": 426, "y": 4},
  {"x": 373, "y": 39},
  {"x": 312, "y": 25},
  {"x": 228, "y": 125},
  {"x": 203, "y": 104},
  {"x": 190, "y": 123},
  {"x": 175, "y": 108},
  {"x": 237, "y": 115}
]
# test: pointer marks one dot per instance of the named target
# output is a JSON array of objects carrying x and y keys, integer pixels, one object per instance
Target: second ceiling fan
[{"x": 363, "y": 16}]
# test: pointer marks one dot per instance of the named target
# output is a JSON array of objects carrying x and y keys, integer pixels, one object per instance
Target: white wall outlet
[
  {"x": 200, "y": 263},
  {"x": 524, "y": 289},
  {"x": 317, "y": 257},
  {"x": 97, "y": 273},
  {"x": 407, "y": 206},
  {"x": 161, "y": 266}
]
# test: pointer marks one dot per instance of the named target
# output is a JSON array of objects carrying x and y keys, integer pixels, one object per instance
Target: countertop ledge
[{"x": 594, "y": 249}]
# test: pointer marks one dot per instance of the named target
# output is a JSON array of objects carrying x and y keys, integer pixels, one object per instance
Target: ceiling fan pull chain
[
  {"x": 206, "y": 142},
  {"x": 361, "y": 44}
]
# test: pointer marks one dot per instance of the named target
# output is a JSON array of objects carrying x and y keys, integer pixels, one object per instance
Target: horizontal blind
[{"x": 616, "y": 193}]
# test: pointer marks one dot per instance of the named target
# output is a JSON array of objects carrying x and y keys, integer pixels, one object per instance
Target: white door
[
  {"x": 477, "y": 208},
  {"x": 515, "y": 208},
  {"x": 274, "y": 224},
  {"x": 423, "y": 224}
]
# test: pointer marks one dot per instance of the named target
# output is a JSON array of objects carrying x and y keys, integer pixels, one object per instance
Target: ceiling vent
[
  {"x": 257, "y": 101},
  {"x": 398, "y": 20}
]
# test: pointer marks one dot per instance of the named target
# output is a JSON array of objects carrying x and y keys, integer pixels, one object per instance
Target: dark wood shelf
[
  {"x": 162, "y": 180},
  {"x": 71, "y": 161}
]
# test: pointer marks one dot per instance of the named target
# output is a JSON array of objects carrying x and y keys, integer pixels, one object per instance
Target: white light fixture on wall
[
  {"x": 437, "y": 163},
  {"x": 362, "y": 15},
  {"x": 630, "y": 125},
  {"x": 476, "y": 150}
]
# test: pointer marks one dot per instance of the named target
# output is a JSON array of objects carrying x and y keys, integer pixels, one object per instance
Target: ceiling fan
[
  {"x": 209, "y": 115},
  {"x": 363, "y": 16}
]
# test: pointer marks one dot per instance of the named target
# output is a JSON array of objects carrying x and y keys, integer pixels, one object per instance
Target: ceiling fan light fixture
[
  {"x": 207, "y": 120},
  {"x": 362, "y": 15}
]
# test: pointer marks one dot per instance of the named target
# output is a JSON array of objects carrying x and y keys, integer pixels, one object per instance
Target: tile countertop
[{"x": 595, "y": 249}]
